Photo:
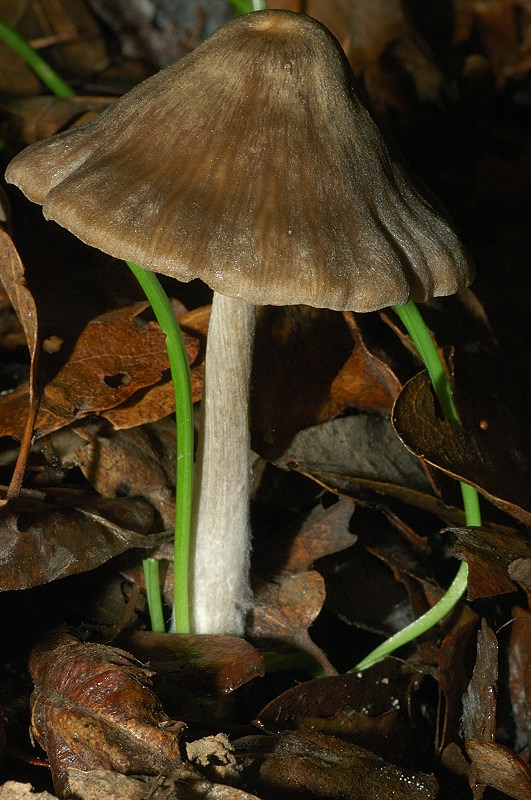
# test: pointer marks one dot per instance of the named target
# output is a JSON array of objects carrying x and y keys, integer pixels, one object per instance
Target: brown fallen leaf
[
  {"x": 295, "y": 549},
  {"x": 310, "y": 764},
  {"x": 283, "y": 611},
  {"x": 80, "y": 47},
  {"x": 95, "y": 784},
  {"x": 489, "y": 552},
  {"x": 497, "y": 766},
  {"x": 520, "y": 675},
  {"x": 16, "y": 77},
  {"x": 13, "y": 275},
  {"x": 110, "y": 369},
  {"x": 94, "y": 713},
  {"x": 34, "y": 118},
  {"x": 362, "y": 446},
  {"x": 42, "y": 541},
  {"x": 92, "y": 708},
  {"x": 14, "y": 790},
  {"x": 479, "y": 700},
  {"x": 298, "y": 353},
  {"x": 127, "y": 463},
  {"x": 371, "y": 709},
  {"x": 210, "y": 665},
  {"x": 484, "y": 456},
  {"x": 116, "y": 354},
  {"x": 453, "y": 679},
  {"x": 365, "y": 381},
  {"x": 158, "y": 401}
]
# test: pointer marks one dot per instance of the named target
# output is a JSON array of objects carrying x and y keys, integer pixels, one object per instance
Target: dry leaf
[
  {"x": 92, "y": 708},
  {"x": 472, "y": 453},
  {"x": 41, "y": 541}
]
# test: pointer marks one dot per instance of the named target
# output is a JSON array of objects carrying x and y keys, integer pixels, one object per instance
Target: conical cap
[{"x": 252, "y": 165}]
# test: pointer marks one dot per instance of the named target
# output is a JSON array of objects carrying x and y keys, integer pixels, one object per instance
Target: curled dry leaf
[
  {"x": 92, "y": 708},
  {"x": 13, "y": 277},
  {"x": 480, "y": 452},
  {"x": 497, "y": 766}
]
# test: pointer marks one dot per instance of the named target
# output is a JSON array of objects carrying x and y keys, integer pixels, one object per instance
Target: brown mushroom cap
[{"x": 252, "y": 165}]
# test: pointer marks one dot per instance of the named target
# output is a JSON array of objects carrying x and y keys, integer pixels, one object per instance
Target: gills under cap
[{"x": 252, "y": 165}]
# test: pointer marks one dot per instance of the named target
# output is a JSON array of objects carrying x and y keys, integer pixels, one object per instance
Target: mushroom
[{"x": 251, "y": 164}]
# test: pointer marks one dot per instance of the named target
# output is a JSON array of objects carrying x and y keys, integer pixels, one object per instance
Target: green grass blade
[
  {"x": 48, "y": 76},
  {"x": 421, "y": 337}
]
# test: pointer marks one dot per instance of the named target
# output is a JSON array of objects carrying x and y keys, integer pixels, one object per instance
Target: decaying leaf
[
  {"x": 520, "y": 675},
  {"x": 371, "y": 709},
  {"x": 34, "y": 118},
  {"x": 92, "y": 708},
  {"x": 12, "y": 273},
  {"x": 497, "y": 766},
  {"x": 362, "y": 446},
  {"x": 95, "y": 715},
  {"x": 470, "y": 453},
  {"x": 489, "y": 552},
  {"x": 295, "y": 549},
  {"x": 479, "y": 701},
  {"x": 283, "y": 611},
  {"x": 14, "y": 790},
  {"x": 136, "y": 462},
  {"x": 203, "y": 664},
  {"x": 312, "y": 764},
  {"x": 42, "y": 541}
]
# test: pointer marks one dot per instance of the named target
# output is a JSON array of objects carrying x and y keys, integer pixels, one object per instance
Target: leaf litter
[{"x": 354, "y": 534}]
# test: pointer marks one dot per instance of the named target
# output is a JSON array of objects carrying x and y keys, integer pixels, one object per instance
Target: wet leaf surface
[
  {"x": 307, "y": 764},
  {"x": 370, "y": 709},
  {"x": 206, "y": 664},
  {"x": 479, "y": 702}
]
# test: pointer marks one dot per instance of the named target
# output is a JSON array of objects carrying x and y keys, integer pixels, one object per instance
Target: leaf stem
[{"x": 423, "y": 341}]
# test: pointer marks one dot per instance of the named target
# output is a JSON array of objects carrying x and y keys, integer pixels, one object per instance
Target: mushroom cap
[{"x": 252, "y": 165}]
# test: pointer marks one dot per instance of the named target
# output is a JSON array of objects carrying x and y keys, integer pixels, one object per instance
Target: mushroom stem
[{"x": 221, "y": 531}]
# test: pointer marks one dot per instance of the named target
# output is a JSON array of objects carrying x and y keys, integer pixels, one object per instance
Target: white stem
[{"x": 221, "y": 531}]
